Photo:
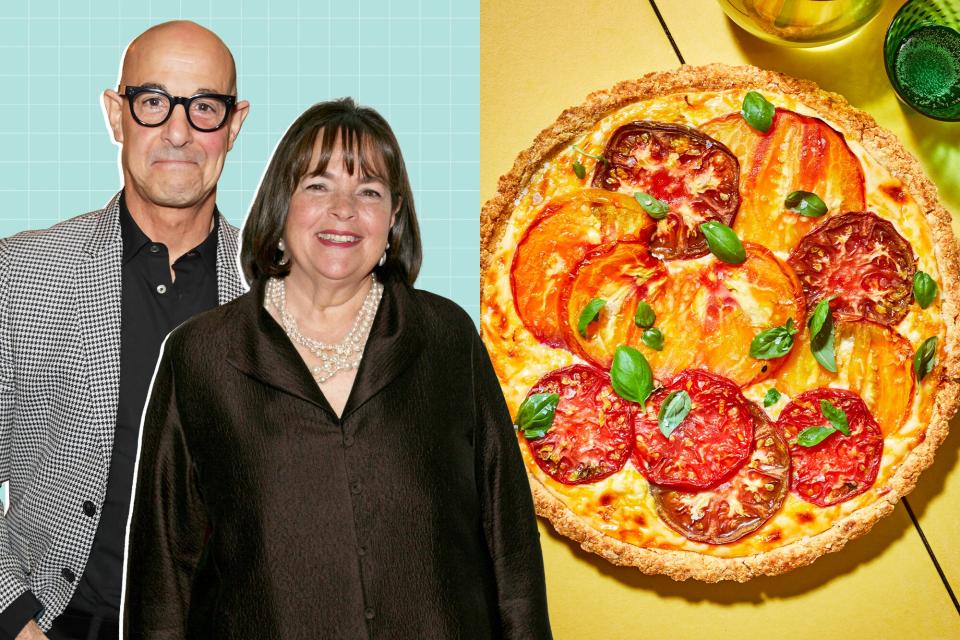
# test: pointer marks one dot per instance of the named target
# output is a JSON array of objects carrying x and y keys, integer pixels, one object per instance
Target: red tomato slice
[
  {"x": 712, "y": 442},
  {"x": 742, "y": 504},
  {"x": 863, "y": 261},
  {"x": 693, "y": 173},
  {"x": 566, "y": 229},
  {"x": 797, "y": 153},
  {"x": 873, "y": 360},
  {"x": 621, "y": 274},
  {"x": 840, "y": 467},
  {"x": 592, "y": 433}
]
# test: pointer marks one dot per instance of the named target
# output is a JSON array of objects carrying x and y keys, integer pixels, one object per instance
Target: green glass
[
  {"x": 801, "y": 23},
  {"x": 922, "y": 57}
]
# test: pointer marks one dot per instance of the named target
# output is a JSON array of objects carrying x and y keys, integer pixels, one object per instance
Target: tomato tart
[{"x": 722, "y": 306}]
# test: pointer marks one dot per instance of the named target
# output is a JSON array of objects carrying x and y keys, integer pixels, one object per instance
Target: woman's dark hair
[{"x": 366, "y": 140}]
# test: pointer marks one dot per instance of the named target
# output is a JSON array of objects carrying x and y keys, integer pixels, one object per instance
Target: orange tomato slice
[
  {"x": 565, "y": 230},
  {"x": 621, "y": 274},
  {"x": 873, "y": 360},
  {"x": 714, "y": 312},
  {"x": 798, "y": 153}
]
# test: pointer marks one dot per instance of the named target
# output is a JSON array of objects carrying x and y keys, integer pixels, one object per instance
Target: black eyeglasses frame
[{"x": 130, "y": 92}]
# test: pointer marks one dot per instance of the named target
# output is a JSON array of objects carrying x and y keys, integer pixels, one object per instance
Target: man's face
[{"x": 174, "y": 165}]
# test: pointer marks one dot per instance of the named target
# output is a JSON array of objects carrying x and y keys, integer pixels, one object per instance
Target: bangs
[{"x": 361, "y": 151}]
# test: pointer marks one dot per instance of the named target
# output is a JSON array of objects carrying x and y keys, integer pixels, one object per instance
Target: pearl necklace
[{"x": 334, "y": 358}]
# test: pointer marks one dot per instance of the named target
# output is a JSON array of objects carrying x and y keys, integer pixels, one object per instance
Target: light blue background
[{"x": 416, "y": 61}]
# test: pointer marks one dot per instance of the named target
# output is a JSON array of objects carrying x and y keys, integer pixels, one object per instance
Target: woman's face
[{"x": 338, "y": 223}]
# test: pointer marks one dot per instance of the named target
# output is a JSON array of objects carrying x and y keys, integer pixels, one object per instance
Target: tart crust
[{"x": 882, "y": 145}]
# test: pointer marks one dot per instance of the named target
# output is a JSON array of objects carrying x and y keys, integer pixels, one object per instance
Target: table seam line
[
  {"x": 666, "y": 30},
  {"x": 933, "y": 556}
]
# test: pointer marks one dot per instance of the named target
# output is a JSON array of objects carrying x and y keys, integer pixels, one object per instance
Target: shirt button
[
  {"x": 161, "y": 289},
  {"x": 89, "y": 508},
  {"x": 362, "y": 551},
  {"x": 356, "y": 488},
  {"x": 348, "y": 441},
  {"x": 68, "y": 575},
  {"x": 369, "y": 613},
  {"x": 154, "y": 248}
]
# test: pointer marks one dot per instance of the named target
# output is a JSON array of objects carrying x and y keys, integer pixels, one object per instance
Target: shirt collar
[{"x": 134, "y": 239}]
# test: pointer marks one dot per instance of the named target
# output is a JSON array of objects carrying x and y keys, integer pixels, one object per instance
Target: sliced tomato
[
  {"x": 621, "y": 274},
  {"x": 565, "y": 230},
  {"x": 709, "y": 314},
  {"x": 592, "y": 432},
  {"x": 741, "y": 301},
  {"x": 710, "y": 444},
  {"x": 797, "y": 153},
  {"x": 693, "y": 173},
  {"x": 862, "y": 262},
  {"x": 840, "y": 467},
  {"x": 873, "y": 361},
  {"x": 742, "y": 504}
]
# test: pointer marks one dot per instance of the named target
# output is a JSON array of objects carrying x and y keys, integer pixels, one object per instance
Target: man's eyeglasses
[{"x": 151, "y": 107}]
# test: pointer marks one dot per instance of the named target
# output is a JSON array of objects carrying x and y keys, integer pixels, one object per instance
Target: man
[{"x": 84, "y": 308}]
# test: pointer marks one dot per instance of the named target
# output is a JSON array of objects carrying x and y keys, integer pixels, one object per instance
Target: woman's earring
[
  {"x": 383, "y": 258},
  {"x": 282, "y": 248}
]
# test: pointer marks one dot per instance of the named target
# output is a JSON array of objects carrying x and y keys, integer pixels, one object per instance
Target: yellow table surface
[{"x": 538, "y": 57}]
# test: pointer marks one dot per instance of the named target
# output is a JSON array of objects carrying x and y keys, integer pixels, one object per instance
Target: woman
[{"x": 330, "y": 455}]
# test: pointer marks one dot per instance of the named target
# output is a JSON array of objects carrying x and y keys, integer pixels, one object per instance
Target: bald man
[{"x": 84, "y": 309}]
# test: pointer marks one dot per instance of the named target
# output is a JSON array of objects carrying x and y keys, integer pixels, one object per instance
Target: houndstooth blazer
[{"x": 59, "y": 390}]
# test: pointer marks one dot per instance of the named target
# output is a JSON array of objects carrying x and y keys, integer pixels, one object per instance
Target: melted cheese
[{"x": 627, "y": 509}]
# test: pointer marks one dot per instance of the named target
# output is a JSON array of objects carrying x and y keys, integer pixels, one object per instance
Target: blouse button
[
  {"x": 369, "y": 613},
  {"x": 89, "y": 508},
  {"x": 356, "y": 488},
  {"x": 348, "y": 441}
]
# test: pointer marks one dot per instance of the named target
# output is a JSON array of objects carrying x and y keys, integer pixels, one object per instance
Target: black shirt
[{"x": 151, "y": 306}]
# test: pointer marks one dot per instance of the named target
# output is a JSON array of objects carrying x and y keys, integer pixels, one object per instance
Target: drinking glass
[
  {"x": 922, "y": 56},
  {"x": 801, "y": 23}
]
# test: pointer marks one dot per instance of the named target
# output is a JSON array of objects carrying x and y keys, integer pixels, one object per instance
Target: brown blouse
[{"x": 260, "y": 514}]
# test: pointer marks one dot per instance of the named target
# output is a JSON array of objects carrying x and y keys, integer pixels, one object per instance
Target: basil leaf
[
  {"x": 579, "y": 170},
  {"x": 653, "y": 338},
  {"x": 806, "y": 203},
  {"x": 644, "y": 317},
  {"x": 630, "y": 375},
  {"x": 772, "y": 397},
  {"x": 822, "y": 336},
  {"x": 723, "y": 242},
  {"x": 812, "y": 436},
  {"x": 656, "y": 208},
  {"x": 773, "y": 343},
  {"x": 674, "y": 409},
  {"x": 757, "y": 111},
  {"x": 823, "y": 346},
  {"x": 820, "y": 314},
  {"x": 924, "y": 289},
  {"x": 836, "y": 416},
  {"x": 536, "y": 414},
  {"x": 925, "y": 358},
  {"x": 589, "y": 314}
]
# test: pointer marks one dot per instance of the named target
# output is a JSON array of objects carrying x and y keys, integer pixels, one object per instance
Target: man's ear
[
  {"x": 236, "y": 121},
  {"x": 113, "y": 105}
]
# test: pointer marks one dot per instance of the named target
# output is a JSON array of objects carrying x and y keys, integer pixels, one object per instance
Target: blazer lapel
[
  {"x": 263, "y": 351},
  {"x": 97, "y": 301},
  {"x": 229, "y": 283}
]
